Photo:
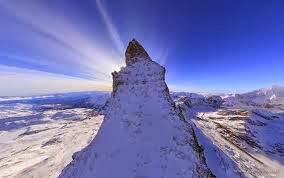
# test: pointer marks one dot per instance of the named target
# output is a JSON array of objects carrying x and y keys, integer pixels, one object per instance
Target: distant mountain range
[{"x": 268, "y": 97}]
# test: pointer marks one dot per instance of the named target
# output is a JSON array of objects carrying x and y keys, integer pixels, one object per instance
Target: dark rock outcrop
[{"x": 135, "y": 52}]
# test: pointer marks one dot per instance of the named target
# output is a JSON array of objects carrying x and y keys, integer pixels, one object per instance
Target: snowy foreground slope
[
  {"x": 242, "y": 137},
  {"x": 142, "y": 134},
  {"x": 39, "y": 135}
]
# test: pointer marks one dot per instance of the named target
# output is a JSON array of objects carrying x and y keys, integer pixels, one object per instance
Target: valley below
[
  {"x": 38, "y": 140},
  {"x": 238, "y": 139}
]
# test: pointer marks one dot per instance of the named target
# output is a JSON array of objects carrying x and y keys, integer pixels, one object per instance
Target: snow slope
[
  {"x": 39, "y": 140},
  {"x": 241, "y": 138},
  {"x": 142, "y": 134}
]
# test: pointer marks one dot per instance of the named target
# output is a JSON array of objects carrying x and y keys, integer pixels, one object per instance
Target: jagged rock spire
[
  {"x": 142, "y": 128},
  {"x": 135, "y": 52}
]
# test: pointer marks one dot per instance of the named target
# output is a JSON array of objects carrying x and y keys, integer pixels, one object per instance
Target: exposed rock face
[
  {"x": 133, "y": 75},
  {"x": 215, "y": 100},
  {"x": 142, "y": 135},
  {"x": 135, "y": 52},
  {"x": 197, "y": 100}
]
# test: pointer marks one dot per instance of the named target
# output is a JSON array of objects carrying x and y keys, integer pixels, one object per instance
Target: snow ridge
[{"x": 142, "y": 134}]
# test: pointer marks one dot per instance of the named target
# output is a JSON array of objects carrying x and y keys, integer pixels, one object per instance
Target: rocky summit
[
  {"x": 135, "y": 52},
  {"x": 140, "y": 71},
  {"x": 143, "y": 134}
]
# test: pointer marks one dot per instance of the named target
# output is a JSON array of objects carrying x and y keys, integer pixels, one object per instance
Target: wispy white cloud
[
  {"x": 61, "y": 45},
  {"x": 65, "y": 39},
  {"x": 110, "y": 26},
  {"x": 163, "y": 56},
  {"x": 18, "y": 82}
]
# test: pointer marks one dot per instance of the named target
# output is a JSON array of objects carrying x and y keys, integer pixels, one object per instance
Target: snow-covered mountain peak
[
  {"x": 144, "y": 74},
  {"x": 273, "y": 90},
  {"x": 140, "y": 72},
  {"x": 135, "y": 52},
  {"x": 143, "y": 134},
  {"x": 267, "y": 97}
]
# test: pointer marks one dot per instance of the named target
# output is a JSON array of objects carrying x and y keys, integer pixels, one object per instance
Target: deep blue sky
[{"x": 205, "y": 45}]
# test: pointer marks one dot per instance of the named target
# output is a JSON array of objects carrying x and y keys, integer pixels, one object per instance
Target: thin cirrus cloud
[
  {"x": 110, "y": 26},
  {"x": 23, "y": 82},
  {"x": 54, "y": 42},
  {"x": 160, "y": 54},
  {"x": 51, "y": 27},
  {"x": 77, "y": 50}
]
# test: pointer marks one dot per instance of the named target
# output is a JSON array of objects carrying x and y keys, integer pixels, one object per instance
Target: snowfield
[
  {"x": 240, "y": 138},
  {"x": 243, "y": 137},
  {"x": 38, "y": 140}
]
